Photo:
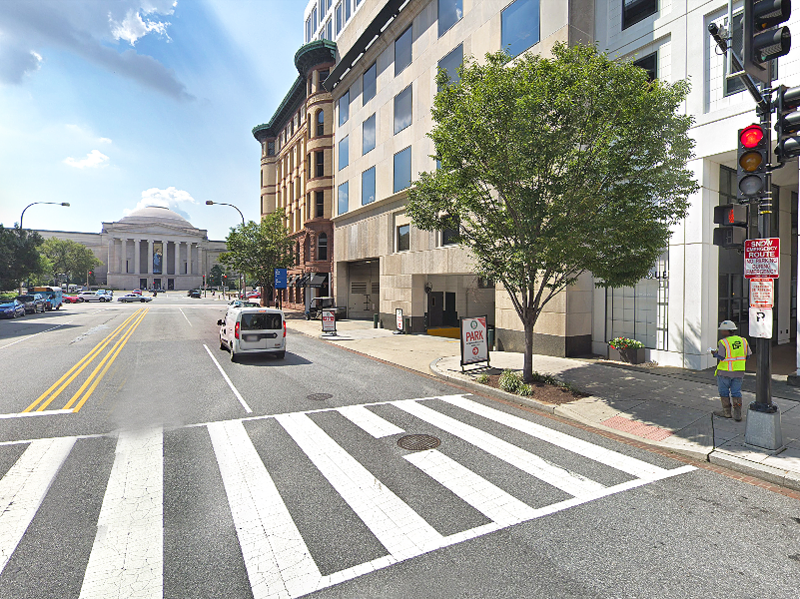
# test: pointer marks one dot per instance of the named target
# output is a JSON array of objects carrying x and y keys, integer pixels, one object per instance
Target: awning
[
  {"x": 318, "y": 280},
  {"x": 301, "y": 281}
]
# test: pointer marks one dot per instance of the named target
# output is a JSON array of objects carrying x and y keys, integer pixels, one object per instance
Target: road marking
[
  {"x": 27, "y": 414},
  {"x": 490, "y": 500},
  {"x": 398, "y": 528},
  {"x": 230, "y": 384},
  {"x": 277, "y": 559},
  {"x": 369, "y": 422},
  {"x": 561, "y": 478},
  {"x": 63, "y": 324},
  {"x": 106, "y": 361},
  {"x": 23, "y": 488},
  {"x": 127, "y": 558},
  {"x": 187, "y": 319},
  {"x": 77, "y": 368}
]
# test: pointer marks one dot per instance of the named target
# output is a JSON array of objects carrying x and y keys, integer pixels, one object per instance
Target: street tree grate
[
  {"x": 418, "y": 442},
  {"x": 319, "y": 396}
]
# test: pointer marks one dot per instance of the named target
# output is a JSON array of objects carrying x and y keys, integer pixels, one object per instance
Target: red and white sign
[
  {"x": 762, "y": 293},
  {"x": 474, "y": 340},
  {"x": 328, "y": 321},
  {"x": 398, "y": 318},
  {"x": 762, "y": 258}
]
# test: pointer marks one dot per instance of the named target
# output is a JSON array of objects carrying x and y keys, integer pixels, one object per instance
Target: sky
[{"x": 112, "y": 105}]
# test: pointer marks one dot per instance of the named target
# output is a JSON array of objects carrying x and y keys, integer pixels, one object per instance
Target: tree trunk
[{"x": 527, "y": 364}]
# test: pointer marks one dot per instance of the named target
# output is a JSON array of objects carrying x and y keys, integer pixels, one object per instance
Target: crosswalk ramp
[{"x": 289, "y": 504}]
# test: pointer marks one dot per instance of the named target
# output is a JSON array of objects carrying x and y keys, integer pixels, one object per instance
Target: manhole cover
[
  {"x": 319, "y": 396},
  {"x": 418, "y": 442}
]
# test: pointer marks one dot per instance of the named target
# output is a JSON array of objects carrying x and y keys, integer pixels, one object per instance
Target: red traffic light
[{"x": 751, "y": 136}]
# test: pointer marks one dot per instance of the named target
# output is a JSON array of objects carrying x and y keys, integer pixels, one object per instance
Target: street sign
[
  {"x": 762, "y": 293},
  {"x": 398, "y": 317},
  {"x": 474, "y": 341},
  {"x": 762, "y": 258},
  {"x": 280, "y": 278},
  {"x": 761, "y": 323},
  {"x": 328, "y": 321}
]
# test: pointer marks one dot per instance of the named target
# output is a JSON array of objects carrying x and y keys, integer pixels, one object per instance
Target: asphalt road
[{"x": 131, "y": 467}]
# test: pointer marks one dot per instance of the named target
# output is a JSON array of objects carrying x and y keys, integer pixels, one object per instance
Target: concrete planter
[{"x": 631, "y": 356}]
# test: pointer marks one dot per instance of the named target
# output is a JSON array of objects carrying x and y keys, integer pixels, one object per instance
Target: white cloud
[
  {"x": 133, "y": 27},
  {"x": 104, "y": 140},
  {"x": 172, "y": 198},
  {"x": 94, "y": 159}
]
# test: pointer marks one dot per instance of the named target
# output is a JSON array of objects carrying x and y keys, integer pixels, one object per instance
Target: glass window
[
  {"x": 314, "y": 21},
  {"x": 319, "y": 197},
  {"x": 322, "y": 246},
  {"x": 450, "y": 13},
  {"x": 403, "y": 235},
  {"x": 320, "y": 122},
  {"x": 650, "y": 64},
  {"x": 320, "y": 162},
  {"x": 735, "y": 85},
  {"x": 344, "y": 190},
  {"x": 344, "y": 152},
  {"x": 339, "y": 16},
  {"x": 309, "y": 32},
  {"x": 634, "y": 11},
  {"x": 344, "y": 108},
  {"x": 520, "y": 26},
  {"x": 402, "y": 169},
  {"x": 402, "y": 51},
  {"x": 402, "y": 110},
  {"x": 368, "y": 186},
  {"x": 368, "y": 135},
  {"x": 329, "y": 30},
  {"x": 369, "y": 80},
  {"x": 270, "y": 148},
  {"x": 346, "y": 10},
  {"x": 451, "y": 62}
]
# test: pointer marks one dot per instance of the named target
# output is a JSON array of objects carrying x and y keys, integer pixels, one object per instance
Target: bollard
[
  {"x": 490, "y": 337},
  {"x": 375, "y": 320}
]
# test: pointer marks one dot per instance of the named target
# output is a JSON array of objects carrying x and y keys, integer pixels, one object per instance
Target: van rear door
[{"x": 260, "y": 330}]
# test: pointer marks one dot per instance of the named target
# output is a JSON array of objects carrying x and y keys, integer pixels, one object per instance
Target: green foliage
[
  {"x": 556, "y": 166},
  {"x": 623, "y": 343},
  {"x": 215, "y": 276},
  {"x": 483, "y": 379},
  {"x": 67, "y": 261},
  {"x": 19, "y": 256},
  {"x": 525, "y": 390},
  {"x": 510, "y": 381},
  {"x": 256, "y": 249}
]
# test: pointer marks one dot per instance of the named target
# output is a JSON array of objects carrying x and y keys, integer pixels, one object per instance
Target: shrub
[
  {"x": 483, "y": 379},
  {"x": 623, "y": 343},
  {"x": 525, "y": 390},
  {"x": 510, "y": 381}
]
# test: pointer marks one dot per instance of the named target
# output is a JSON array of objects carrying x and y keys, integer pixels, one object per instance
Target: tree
[
  {"x": 215, "y": 276},
  {"x": 69, "y": 258},
  {"x": 19, "y": 257},
  {"x": 551, "y": 167},
  {"x": 258, "y": 248}
]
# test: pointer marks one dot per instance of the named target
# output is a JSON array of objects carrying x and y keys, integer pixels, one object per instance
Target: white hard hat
[{"x": 727, "y": 325}]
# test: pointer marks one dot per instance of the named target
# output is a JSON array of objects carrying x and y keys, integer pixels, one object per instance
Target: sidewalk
[{"x": 668, "y": 408}]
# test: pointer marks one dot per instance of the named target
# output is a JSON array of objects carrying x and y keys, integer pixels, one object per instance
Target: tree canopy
[
  {"x": 68, "y": 259},
  {"x": 550, "y": 167},
  {"x": 19, "y": 256}
]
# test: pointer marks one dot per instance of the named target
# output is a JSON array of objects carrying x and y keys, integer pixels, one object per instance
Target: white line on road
[
  {"x": 187, "y": 319},
  {"x": 369, "y": 422},
  {"x": 34, "y": 335},
  {"x": 23, "y": 488},
  {"x": 127, "y": 558},
  {"x": 230, "y": 384},
  {"x": 29, "y": 414}
]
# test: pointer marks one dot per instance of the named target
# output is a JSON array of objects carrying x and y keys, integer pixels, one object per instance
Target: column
[
  {"x": 110, "y": 258},
  {"x": 137, "y": 258},
  {"x": 178, "y": 270},
  {"x": 189, "y": 257},
  {"x": 149, "y": 258}
]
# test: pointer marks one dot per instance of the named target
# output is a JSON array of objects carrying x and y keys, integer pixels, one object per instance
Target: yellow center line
[
  {"x": 113, "y": 356},
  {"x": 82, "y": 363}
]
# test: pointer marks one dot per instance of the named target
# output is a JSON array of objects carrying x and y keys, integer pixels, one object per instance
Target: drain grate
[
  {"x": 319, "y": 396},
  {"x": 418, "y": 442}
]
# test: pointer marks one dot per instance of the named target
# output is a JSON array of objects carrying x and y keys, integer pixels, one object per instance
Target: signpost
[
  {"x": 762, "y": 293},
  {"x": 474, "y": 341},
  {"x": 762, "y": 258},
  {"x": 280, "y": 278},
  {"x": 329, "y": 321}
]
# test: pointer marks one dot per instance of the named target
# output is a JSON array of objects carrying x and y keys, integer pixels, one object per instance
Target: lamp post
[
  {"x": 23, "y": 214},
  {"x": 212, "y": 203}
]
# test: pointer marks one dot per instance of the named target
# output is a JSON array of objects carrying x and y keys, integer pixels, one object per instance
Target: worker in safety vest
[{"x": 732, "y": 353}]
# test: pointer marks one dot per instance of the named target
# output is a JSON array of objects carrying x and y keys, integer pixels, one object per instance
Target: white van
[{"x": 253, "y": 331}]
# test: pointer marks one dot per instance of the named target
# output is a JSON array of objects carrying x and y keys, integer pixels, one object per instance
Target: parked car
[
  {"x": 72, "y": 299},
  {"x": 12, "y": 309},
  {"x": 240, "y": 303},
  {"x": 107, "y": 292},
  {"x": 318, "y": 304},
  {"x": 34, "y": 303},
  {"x": 253, "y": 331},
  {"x": 132, "y": 297},
  {"x": 92, "y": 296},
  {"x": 254, "y": 295},
  {"x": 194, "y": 293},
  {"x": 137, "y": 292}
]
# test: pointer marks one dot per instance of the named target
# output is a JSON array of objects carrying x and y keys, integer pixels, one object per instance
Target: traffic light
[
  {"x": 787, "y": 125},
  {"x": 90, "y": 273},
  {"x": 752, "y": 157},
  {"x": 733, "y": 229},
  {"x": 764, "y": 41}
]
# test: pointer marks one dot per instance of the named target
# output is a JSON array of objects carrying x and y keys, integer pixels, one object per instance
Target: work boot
[
  {"x": 737, "y": 409},
  {"x": 725, "y": 412}
]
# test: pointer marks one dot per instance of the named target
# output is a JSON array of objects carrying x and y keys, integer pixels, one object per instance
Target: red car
[
  {"x": 254, "y": 295},
  {"x": 72, "y": 299}
]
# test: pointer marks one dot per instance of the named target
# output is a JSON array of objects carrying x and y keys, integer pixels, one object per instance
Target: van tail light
[
  {"x": 236, "y": 331},
  {"x": 284, "y": 328}
]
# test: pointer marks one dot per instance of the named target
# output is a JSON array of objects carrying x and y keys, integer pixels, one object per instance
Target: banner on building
[
  {"x": 158, "y": 257},
  {"x": 474, "y": 341}
]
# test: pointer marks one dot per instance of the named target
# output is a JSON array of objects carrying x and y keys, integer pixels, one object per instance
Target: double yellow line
[{"x": 124, "y": 332}]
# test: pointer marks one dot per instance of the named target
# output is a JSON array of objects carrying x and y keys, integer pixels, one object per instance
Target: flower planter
[{"x": 631, "y": 356}]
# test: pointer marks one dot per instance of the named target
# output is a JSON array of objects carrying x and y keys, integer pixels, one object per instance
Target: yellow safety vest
[{"x": 735, "y": 355}]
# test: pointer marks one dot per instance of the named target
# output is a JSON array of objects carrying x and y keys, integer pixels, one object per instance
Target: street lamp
[
  {"x": 213, "y": 203},
  {"x": 34, "y": 203}
]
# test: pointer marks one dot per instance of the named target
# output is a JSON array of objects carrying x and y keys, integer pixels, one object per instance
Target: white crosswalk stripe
[{"x": 127, "y": 557}]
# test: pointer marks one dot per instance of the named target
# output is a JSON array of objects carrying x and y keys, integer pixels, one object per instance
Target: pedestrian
[{"x": 732, "y": 352}]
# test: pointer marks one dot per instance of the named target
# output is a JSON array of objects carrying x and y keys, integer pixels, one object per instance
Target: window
[
  {"x": 308, "y": 162},
  {"x": 368, "y": 135},
  {"x": 402, "y": 169},
  {"x": 314, "y": 20},
  {"x": 650, "y": 64},
  {"x": 369, "y": 84},
  {"x": 520, "y": 26},
  {"x": 320, "y": 122},
  {"x": 322, "y": 246},
  {"x": 329, "y": 30},
  {"x": 344, "y": 152},
  {"x": 320, "y": 204},
  {"x": 450, "y": 232},
  {"x": 347, "y": 10},
  {"x": 402, "y": 110},
  {"x": 309, "y": 32},
  {"x": 323, "y": 75},
  {"x": 734, "y": 86},
  {"x": 450, "y": 13},
  {"x": 403, "y": 235},
  {"x": 634, "y": 11},
  {"x": 368, "y": 186},
  {"x": 320, "y": 162},
  {"x": 262, "y": 178},
  {"x": 402, "y": 51},
  {"x": 339, "y": 16},
  {"x": 344, "y": 108},
  {"x": 270, "y": 148},
  {"x": 451, "y": 62},
  {"x": 343, "y": 191}
]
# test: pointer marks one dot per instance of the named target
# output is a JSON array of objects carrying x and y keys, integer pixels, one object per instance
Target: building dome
[{"x": 151, "y": 214}]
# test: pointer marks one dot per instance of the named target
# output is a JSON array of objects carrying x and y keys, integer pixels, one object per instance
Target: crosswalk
[{"x": 344, "y": 448}]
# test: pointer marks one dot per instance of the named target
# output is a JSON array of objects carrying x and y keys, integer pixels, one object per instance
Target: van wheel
[
  {"x": 221, "y": 344},
  {"x": 233, "y": 355},
  {"x": 280, "y": 355}
]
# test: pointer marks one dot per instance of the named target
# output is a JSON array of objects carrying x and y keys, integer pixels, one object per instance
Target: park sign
[
  {"x": 328, "y": 321},
  {"x": 762, "y": 258},
  {"x": 474, "y": 341}
]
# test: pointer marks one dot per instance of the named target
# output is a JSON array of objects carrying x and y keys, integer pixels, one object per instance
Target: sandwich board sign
[
  {"x": 328, "y": 321},
  {"x": 474, "y": 341}
]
